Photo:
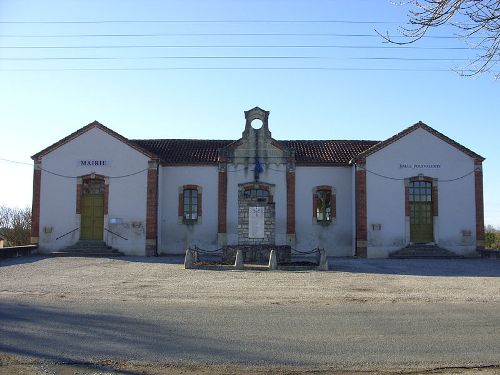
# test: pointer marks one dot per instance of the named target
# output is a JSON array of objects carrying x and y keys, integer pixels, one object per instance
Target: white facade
[
  {"x": 61, "y": 171},
  {"x": 367, "y": 184},
  {"x": 420, "y": 153}
]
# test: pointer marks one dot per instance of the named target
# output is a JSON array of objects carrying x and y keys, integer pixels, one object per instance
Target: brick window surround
[
  {"x": 180, "y": 214},
  {"x": 316, "y": 202}
]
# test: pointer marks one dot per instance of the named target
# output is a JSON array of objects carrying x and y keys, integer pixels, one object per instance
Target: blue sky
[{"x": 323, "y": 79}]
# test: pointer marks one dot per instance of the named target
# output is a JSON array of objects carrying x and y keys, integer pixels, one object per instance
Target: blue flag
[{"x": 258, "y": 166}]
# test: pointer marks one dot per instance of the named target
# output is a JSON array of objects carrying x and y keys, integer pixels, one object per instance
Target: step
[
  {"x": 423, "y": 251},
  {"x": 89, "y": 244},
  {"x": 63, "y": 253}
]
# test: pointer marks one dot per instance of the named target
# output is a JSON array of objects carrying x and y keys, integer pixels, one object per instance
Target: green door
[
  {"x": 92, "y": 217},
  {"x": 421, "y": 216}
]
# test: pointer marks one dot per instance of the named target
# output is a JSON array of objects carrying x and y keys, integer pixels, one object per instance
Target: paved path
[{"x": 351, "y": 336}]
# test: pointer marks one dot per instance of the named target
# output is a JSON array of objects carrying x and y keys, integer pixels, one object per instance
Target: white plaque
[{"x": 256, "y": 222}]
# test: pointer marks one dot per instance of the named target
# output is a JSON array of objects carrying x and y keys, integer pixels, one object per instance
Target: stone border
[{"x": 190, "y": 262}]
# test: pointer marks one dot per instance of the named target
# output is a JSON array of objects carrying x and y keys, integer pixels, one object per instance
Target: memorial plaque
[{"x": 256, "y": 222}]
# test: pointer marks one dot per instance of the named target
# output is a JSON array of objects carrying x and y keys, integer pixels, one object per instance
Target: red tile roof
[
  {"x": 183, "y": 151},
  {"x": 336, "y": 152},
  {"x": 193, "y": 151}
]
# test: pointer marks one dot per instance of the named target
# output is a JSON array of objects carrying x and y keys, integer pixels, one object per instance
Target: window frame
[
  {"x": 329, "y": 212},
  {"x": 187, "y": 216}
]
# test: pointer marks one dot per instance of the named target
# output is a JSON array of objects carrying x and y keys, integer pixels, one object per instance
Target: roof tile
[{"x": 194, "y": 151}]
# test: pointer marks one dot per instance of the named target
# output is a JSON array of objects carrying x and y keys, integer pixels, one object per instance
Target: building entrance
[
  {"x": 421, "y": 214},
  {"x": 92, "y": 210}
]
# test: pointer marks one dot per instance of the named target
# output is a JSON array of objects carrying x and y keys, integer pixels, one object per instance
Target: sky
[{"x": 189, "y": 68}]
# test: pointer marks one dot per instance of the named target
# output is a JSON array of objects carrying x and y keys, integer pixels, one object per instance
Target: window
[
  {"x": 324, "y": 208},
  {"x": 257, "y": 193},
  {"x": 420, "y": 191},
  {"x": 189, "y": 204},
  {"x": 324, "y": 205}
]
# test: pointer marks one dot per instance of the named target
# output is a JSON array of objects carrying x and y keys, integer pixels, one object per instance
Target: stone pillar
[
  {"x": 273, "y": 263},
  {"x": 323, "y": 261},
  {"x": 478, "y": 181},
  {"x": 35, "y": 208},
  {"x": 152, "y": 208},
  {"x": 361, "y": 215},
  {"x": 189, "y": 259},
  {"x": 238, "y": 263}
]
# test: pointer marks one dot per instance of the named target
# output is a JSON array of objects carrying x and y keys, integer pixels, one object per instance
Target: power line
[
  {"x": 71, "y": 177},
  {"x": 238, "y": 170},
  {"x": 227, "y": 34},
  {"x": 233, "y": 68},
  {"x": 241, "y": 46},
  {"x": 200, "y": 21},
  {"x": 235, "y": 57}
]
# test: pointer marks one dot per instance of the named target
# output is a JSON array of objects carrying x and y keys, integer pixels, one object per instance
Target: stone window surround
[{"x": 180, "y": 214}]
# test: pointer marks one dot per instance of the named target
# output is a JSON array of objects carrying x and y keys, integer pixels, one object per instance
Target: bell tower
[{"x": 260, "y": 127}]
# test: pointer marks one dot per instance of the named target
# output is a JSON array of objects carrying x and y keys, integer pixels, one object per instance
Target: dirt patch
[{"x": 154, "y": 280}]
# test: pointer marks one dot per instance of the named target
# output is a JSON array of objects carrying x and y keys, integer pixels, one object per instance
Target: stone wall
[{"x": 244, "y": 204}]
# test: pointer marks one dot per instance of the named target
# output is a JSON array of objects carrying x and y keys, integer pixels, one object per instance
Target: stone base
[
  {"x": 150, "y": 248},
  {"x": 221, "y": 239},
  {"x": 258, "y": 254}
]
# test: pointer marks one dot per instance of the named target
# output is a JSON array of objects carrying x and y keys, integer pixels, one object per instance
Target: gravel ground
[
  {"x": 163, "y": 280},
  {"x": 159, "y": 279}
]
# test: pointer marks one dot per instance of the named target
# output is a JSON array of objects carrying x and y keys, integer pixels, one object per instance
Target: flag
[{"x": 258, "y": 166}]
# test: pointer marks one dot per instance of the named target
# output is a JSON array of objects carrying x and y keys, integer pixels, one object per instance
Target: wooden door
[
  {"x": 421, "y": 216},
  {"x": 92, "y": 217}
]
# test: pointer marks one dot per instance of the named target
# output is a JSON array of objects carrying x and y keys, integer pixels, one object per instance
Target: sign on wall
[
  {"x": 419, "y": 166},
  {"x": 93, "y": 163},
  {"x": 256, "y": 222}
]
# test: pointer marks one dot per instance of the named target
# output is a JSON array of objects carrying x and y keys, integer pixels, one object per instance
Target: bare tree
[
  {"x": 477, "y": 22},
  {"x": 15, "y": 225}
]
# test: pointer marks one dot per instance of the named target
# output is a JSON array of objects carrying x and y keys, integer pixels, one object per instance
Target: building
[{"x": 350, "y": 197}]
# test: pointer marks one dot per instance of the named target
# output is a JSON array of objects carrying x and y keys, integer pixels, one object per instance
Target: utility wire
[
  {"x": 234, "y": 68},
  {"x": 200, "y": 21},
  {"x": 235, "y": 57},
  {"x": 226, "y": 34},
  {"x": 238, "y": 170},
  {"x": 241, "y": 46},
  {"x": 66, "y": 176}
]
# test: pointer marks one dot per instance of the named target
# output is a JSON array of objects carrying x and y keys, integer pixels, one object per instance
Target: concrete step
[
  {"x": 89, "y": 244},
  {"x": 63, "y": 253},
  {"x": 423, "y": 251},
  {"x": 88, "y": 249},
  {"x": 255, "y": 267}
]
